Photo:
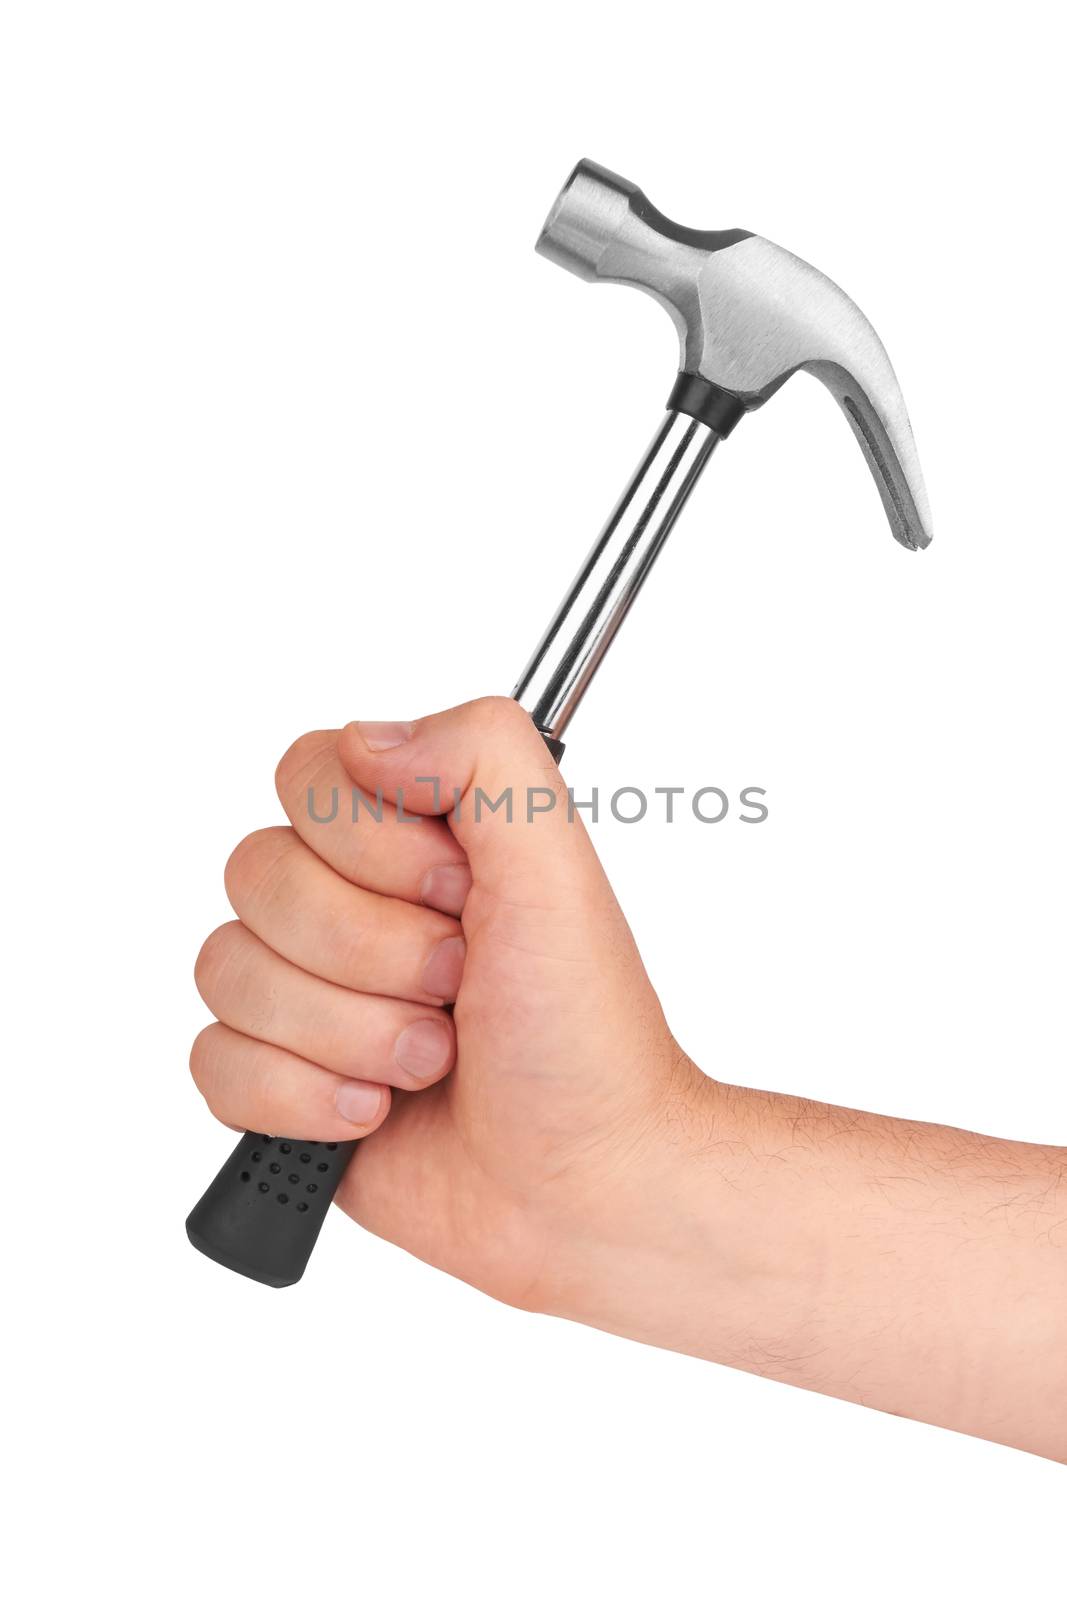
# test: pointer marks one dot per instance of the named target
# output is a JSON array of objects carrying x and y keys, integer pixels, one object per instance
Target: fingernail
[
  {"x": 446, "y": 888},
  {"x": 442, "y": 972},
  {"x": 423, "y": 1048},
  {"x": 385, "y": 735},
  {"x": 358, "y": 1102}
]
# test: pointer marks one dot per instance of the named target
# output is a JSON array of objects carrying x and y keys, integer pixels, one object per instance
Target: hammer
[{"x": 748, "y": 314}]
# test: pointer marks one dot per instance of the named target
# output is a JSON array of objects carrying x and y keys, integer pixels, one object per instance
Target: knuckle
[
  {"x": 499, "y": 713},
  {"x": 253, "y": 858},
  {"x": 203, "y": 1058},
  {"x": 303, "y": 760},
  {"x": 352, "y": 941},
  {"x": 216, "y": 958}
]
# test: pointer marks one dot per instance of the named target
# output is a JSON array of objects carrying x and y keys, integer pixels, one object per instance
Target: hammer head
[{"x": 748, "y": 314}]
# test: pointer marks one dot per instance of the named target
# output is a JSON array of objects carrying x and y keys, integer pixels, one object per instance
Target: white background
[{"x": 264, "y": 269}]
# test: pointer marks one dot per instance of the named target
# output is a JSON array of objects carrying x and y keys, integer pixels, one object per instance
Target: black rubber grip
[{"x": 262, "y": 1214}]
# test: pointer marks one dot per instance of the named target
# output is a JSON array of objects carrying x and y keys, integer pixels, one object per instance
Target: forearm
[{"x": 918, "y": 1269}]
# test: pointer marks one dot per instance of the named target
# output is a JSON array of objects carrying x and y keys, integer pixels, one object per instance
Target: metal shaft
[{"x": 576, "y": 641}]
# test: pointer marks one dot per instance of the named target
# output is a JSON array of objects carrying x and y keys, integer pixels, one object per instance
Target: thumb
[{"x": 487, "y": 767}]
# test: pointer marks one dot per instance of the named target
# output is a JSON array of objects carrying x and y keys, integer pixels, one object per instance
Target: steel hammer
[{"x": 748, "y": 314}]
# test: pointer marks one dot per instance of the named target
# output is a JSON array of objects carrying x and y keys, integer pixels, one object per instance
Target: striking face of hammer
[{"x": 748, "y": 314}]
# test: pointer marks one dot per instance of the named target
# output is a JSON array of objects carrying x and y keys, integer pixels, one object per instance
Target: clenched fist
[{"x": 358, "y": 932}]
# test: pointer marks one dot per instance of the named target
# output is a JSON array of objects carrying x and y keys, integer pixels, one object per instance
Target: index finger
[{"x": 363, "y": 837}]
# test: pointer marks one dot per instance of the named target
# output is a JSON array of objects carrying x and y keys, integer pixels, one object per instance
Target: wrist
[
  {"x": 656, "y": 1232},
  {"x": 707, "y": 1243}
]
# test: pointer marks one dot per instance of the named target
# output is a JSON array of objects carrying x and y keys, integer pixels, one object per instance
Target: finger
[
  {"x": 514, "y": 821},
  {"x": 362, "y": 836},
  {"x": 249, "y": 1084},
  {"x": 255, "y": 991},
  {"x": 300, "y": 907}
]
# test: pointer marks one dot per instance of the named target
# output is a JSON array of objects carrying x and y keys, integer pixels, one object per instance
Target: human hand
[{"x": 353, "y": 935}]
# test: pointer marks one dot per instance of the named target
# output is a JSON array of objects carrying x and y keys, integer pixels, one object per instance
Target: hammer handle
[{"x": 577, "y": 639}]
